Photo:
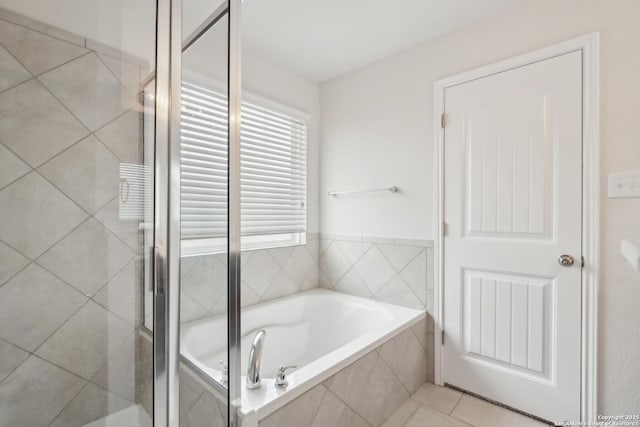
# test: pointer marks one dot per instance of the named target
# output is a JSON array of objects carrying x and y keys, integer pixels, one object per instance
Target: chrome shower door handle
[
  {"x": 565, "y": 260},
  {"x": 159, "y": 277}
]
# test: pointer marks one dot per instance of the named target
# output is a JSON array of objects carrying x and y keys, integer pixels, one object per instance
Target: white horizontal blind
[
  {"x": 273, "y": 169},
  {"x": 273, "y": 172},
  {"x": 204, "y": 155}
]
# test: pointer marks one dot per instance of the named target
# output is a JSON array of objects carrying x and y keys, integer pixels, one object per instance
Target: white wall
[
  {"x": 377, "y": 129},
  {"x": 376, "y": 132}
]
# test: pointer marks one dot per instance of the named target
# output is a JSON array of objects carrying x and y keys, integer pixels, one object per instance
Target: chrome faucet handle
[
  {"x": 254, "y": 371},
  {"x": 281, "y": 377},
  {"x": 225, "y": 371}
]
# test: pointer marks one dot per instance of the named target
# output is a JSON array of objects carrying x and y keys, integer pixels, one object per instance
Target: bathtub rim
[{"x": 255, "y": 405}]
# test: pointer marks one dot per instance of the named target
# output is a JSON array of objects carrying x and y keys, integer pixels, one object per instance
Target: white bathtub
[{"x": 320, "y": 331}]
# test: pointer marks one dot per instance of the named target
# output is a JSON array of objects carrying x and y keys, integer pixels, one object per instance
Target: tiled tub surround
[
  {"x": 200, "y": 404},
  {"x": 266, "y": 274},
  {"x": 70, "y": 346},
  {"x": 365, "y": 393},
  {"x": 396, "y": 271}
]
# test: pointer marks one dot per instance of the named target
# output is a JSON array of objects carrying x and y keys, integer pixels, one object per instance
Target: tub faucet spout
[{"x": 254, "y": 372}]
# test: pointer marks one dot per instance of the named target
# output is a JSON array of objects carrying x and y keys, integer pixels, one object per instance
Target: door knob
[{"x": 565, "y": 260}]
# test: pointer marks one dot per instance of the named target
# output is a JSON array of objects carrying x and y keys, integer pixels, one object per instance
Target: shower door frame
[
  {"x": 166, "y": 239},
  {"x": 166, "y": 256}
]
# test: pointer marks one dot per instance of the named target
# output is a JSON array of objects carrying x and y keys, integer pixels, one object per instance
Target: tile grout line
[
  {"x": 3, "y": 18},
  {"x": 63, "y": 192},
  {"x": 73, "y": 143},
  {"x": 333, "y": 242},
  {"x": 282, "y": 270},
  {"x": 34, "y": 354},
  {"x": 87, "y": 218},
  {"x": 20, "y": 270},
  {"x": 68, "y": 403},
  {"x": 317, "y": 411},
  {"x": 432, "y": 408},
  {"x": 355, "y": 271},
  {"x": 19, "y": 364},
  {"x": 413, "y": 258},
  {"x": 399, "y": 272},
  {"x": 31, "y": 168},
  {"x": 56, "y": 330},
  {"x": 454, "y": 408},
  {"x": 37, "y": 76},
  {"x": 371, "y": 245},
  {"x": 119, "y": 116},
  {"x": 344, "y": 402},
  {"x": 76, "y": 375},
  {"x": 136, "y": 249},
  {"x": 90, "y": 52},
  {"x": 406, "y": 423},
  {"x": 134, "y": 335},
  {"x": 456, "y": 404},
  {"x": 417, "y": 337},
  {"x": 100, "y": 54},
  {"x": 314, "y": 265},
  {"x": 126, "y": 264},
  {"x": 9, "y": 88},
  {"x": 32, "y": 76},
  {"x": 89, "y": 380},
  {"x": 377, "y": 350},
  {"x": 368, "y": 374}
]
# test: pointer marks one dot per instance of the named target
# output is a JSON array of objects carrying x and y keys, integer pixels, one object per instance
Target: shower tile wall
[
  {"x": 266, "y": 274},
  {"x": 69, "y": 268}
]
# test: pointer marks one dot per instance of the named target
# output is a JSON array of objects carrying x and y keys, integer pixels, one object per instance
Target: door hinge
[
  {"x": 445, "y": 229},
  {"x": 442, "y": 337},
  {"x": 442, "y": 121},
  {"x": 582, "y": 261}
]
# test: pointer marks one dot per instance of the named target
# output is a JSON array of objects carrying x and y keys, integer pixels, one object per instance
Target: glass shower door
[
  {"x": 209, "y": 371},
  {"x": 90, "y": 242},
  {"x": 76, "y": 201}
]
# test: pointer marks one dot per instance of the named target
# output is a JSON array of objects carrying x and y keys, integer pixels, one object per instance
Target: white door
[{"x": 513, "y": 156}]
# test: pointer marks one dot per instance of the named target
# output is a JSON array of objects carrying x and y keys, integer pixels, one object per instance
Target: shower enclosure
[
  {"x": 90, "y": 197},
  {"x": 121, "y": 185}
]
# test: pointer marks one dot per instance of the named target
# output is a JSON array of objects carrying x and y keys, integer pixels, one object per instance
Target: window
[{"x": 273, "y": 173}]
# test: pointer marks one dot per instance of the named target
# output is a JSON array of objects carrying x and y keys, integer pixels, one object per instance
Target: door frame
[{"x": 589, "y": 45}]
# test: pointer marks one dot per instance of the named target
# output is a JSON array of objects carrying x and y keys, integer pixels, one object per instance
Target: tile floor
[{"x": 434, "y": 406}]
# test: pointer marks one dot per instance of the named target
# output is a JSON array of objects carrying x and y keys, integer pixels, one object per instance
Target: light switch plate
[{"x": 624, "y": 184}]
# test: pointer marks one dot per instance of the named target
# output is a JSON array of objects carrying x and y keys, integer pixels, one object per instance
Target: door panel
[
  {"x": 504, "y": 320},
  {"x": 508, "y": 160},
  {"x": 513, "y": 147}
]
